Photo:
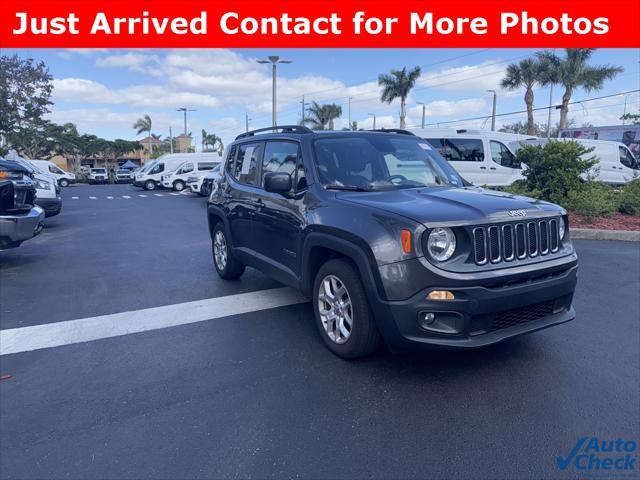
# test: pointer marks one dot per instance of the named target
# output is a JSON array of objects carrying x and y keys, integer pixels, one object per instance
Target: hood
[
  {"x": 9, "y": 166},
  {"x": 452, "y": 206}
]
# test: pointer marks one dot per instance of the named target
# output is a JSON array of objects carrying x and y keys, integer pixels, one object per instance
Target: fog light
[
  {"x": 429, "y": 318},
  {"x": 440, "y": 295}
]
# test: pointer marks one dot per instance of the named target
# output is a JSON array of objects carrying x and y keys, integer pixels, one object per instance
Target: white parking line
[
  {"x": 92, "y": 198},
  {"x": 25, "y": 339},
  {"x": 174, "y": 194},
  {"x": 143, "y": 196},
  {"x": 126, "y": 196},
  {"x": 75, "y": 198},
  {"x": 110, "y": 198},
  {"x": 158, "y": 195}
]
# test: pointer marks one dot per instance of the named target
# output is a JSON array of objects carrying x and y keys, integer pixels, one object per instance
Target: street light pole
[
  {"x": 246, "y": 121},
  {"x": 374, "y": 119},
  {"x": 274, "y": 60},
  {"x": 350, "y": 98},
  {"x": 493, "y": 113},
  {"x": 424, "y": 112}
]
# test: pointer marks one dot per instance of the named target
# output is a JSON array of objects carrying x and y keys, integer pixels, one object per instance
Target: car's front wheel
[
  {"x": 178, "y": 185},
  {"x": 150, "y": 185},
  {"x": 227, "y": 266},
  {"x": 342, "y": 311},
  {"x": 64, "y": 182}
]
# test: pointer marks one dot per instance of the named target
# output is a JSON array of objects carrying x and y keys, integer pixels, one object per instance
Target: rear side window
[
  {"x": 206, "y": 165},
  {"x": 502, "y": 155},
  {"x": 245, "y": 166},
  {"x": 464, "y": 150},
  {"x": 627, "y": 158}
]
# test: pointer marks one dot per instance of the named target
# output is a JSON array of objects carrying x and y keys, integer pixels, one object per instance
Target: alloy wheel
[{"x": 336, "y": 311}]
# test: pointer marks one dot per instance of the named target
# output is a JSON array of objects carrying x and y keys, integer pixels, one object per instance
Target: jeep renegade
[{"x": 388, "y": 241}]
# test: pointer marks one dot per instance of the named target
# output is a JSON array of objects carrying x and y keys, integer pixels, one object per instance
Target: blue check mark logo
[{"x": 563, "y": 463}]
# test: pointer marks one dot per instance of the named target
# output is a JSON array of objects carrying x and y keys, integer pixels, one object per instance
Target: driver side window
[{"x": 501, "y": 155}]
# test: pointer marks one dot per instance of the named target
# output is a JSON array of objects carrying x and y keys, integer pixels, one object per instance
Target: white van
[
  {"x": 150, "y": 176},
  {"x": 481, "y": 157},
  {"x": 616, "y": 164},
  {"x": 47, "y": 188},
  {"x": 179, "y": 178},
  {"x": 64, "y": 178}
]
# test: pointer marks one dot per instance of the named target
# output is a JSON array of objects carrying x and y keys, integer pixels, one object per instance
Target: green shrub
[
  {"x": 520, "y": 187},
  {"x": 593, "y": 200},
  {"x": 629, "y": 198},
  {"x": 554, "y": 169}
]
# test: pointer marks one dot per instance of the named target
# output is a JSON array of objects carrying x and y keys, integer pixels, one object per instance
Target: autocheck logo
[
  {"x": 606, "y": 457},
  {"x": 517, "y": 213}
]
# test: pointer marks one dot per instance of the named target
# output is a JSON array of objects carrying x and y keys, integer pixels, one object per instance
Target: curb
[{"x": 595, "y": 234}]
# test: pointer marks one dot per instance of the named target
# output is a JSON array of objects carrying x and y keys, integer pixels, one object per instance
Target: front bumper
[
  {"x": 15, "y": 229},
  {"x": 195, "y": 187},
  {"x": 51, "y": 206},
  {"x": 481, "y": 314}
]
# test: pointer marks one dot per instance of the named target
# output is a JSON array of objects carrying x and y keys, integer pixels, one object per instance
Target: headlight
[
  {"x": 562, "y": 227},
  {"x": 441, "y": 244},
  {"x": 43, "y": 185}
]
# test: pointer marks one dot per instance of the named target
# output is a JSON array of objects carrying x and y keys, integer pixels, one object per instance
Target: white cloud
[
  {"x": 480, "y": 77},
  {"x": 136, "y": 62}
]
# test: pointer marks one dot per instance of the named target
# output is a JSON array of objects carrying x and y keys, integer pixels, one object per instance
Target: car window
[
  {"x": 279, "y": 157},
  {"x": 158, "y": 168},
  {"x": 627, "y": 158},
  {"x": 187, "y": 167},
  {"x": 381, "y": 163},
  {"x": 501, "y": 155},
  {"x": 463, "y": 150},
  {"x": 246, "y": 163},
  {"x": 206, "y": 165}
]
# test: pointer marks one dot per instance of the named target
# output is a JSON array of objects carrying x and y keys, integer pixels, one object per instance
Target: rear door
[
  {"x": 466, "y": 155},
  {"x": 503, "y": 167},
  {"x": 239, "y": 194}
]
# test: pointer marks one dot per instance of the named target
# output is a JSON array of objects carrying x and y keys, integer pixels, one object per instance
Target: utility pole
[
  {"x": 274, "y": 60},
  {"x": 350, "y": 98},
  {"x": 185, "y": 110},
  {"x": 493, "y": 113},
  {"x": 246, "y": 121},
  {"x": 624, "y": 112},
  {"x": 374, "y": 119},
  {"x": 170, "y": 140},
  {"x": 424, "y": 112},
  {"x": 304, "y": 106}
]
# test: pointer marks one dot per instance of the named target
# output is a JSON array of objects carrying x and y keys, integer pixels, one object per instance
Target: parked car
[
  {"x": 46, "y": 184},
  {"x": 20, "y": 218},
  {"x": 616, "y": 164},
  {"x": 380, "y": 231},
  {"x": 203, "y": 186},
  {"x": 150, "y": 176},
  {"x": 177, "y": 179},
  {"x": 479, "y": 156},
  {"x": 123, "y": 176},
  {"x": 63, "y": 178},
  {"x": 98, "y": 175}
]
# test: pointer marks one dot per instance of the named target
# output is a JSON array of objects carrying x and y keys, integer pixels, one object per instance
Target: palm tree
[
  {"x": 572, "y": 72},
  {"x": 321, "y": 117},
  {"x": 144, "y": 125},
  {"x": 527, "y": 74},
  {"x": 398, "y": 85},
  {"x": 213, "y": 141}
]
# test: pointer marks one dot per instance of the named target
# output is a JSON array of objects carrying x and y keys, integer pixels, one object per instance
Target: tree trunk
[
  {"x": 564, "y": 109},
  {"x": 403, "y": 123},
  {"x": 528, "y": 99}
]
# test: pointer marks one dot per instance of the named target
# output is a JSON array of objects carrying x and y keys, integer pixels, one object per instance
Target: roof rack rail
[
  {"x": 284, "y": 129},
  {"x": 394, "y": 130}
]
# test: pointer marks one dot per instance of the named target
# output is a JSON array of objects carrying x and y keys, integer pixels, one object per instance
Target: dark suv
[{"x": 389, "y": 241}]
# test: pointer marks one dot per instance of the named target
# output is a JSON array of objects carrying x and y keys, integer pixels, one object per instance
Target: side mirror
[{"x": 277, "y": 182}]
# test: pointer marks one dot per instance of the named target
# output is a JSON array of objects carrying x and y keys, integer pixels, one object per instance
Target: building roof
[{"x": 151, "y": 140}]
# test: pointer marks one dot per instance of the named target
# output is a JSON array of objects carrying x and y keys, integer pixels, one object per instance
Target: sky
[{"x": 104, "y": 91}]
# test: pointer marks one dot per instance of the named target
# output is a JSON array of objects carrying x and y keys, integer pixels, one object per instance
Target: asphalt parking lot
[{"x": 256, "y": 394}]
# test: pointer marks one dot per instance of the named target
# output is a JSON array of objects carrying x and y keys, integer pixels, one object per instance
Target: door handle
[
  {"x": 492, "y": 168},
  {"x": 483, "y": 168}
]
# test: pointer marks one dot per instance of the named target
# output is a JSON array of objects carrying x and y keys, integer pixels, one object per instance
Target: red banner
[{"x": 339, "y": 24}]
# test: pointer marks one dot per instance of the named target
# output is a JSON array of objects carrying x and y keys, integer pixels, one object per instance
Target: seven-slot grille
[{"x": 503, "y": 243}]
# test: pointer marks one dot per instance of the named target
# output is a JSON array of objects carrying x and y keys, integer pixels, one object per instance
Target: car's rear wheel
[
  {"x": 227, "y": 266},
  {"x": 178, "y": 185},
  {"x": 64, "y": 182},
  {"x": 342, "y": 311},
  {"x": 150, "y": 185}
]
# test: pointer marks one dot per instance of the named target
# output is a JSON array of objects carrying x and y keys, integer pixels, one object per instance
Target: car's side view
[{"x": 388, "y": 242}]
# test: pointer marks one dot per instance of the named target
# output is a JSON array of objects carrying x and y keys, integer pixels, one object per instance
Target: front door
[{"x": 279, "y": 219}]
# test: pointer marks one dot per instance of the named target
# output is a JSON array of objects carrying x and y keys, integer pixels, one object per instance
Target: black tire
[
  {"x": 178, "y": 185},
  {"x": 232, "y": 268},
  {"x": 364, "y": 338},
  {"x": 64, "y": 182},
  {"x": 149, "y": 185}
]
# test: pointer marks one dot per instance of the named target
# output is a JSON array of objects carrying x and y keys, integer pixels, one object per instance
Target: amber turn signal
[
  {"x": 440, "y": 295},
  {"x": 405, "y": 237}
]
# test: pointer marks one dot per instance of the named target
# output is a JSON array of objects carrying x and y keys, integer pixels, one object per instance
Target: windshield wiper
[{"x": 350, "y": 188}]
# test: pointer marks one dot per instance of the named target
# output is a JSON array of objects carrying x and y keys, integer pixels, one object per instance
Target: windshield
[
  {"x": 147, "y": 167},
  {"x": 381, "y": 162},
  {"x": 98, "y": 170}
]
